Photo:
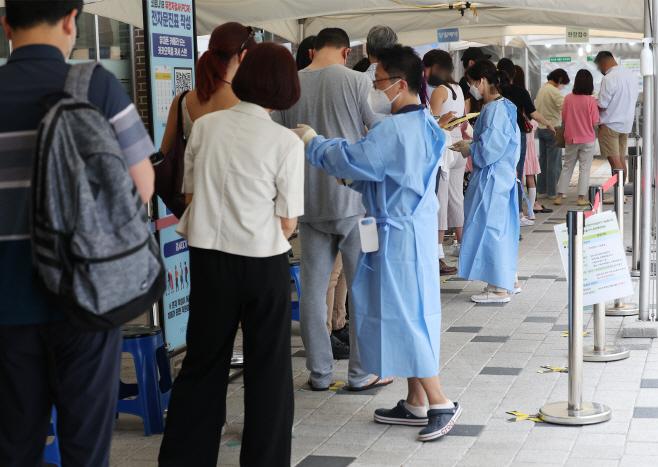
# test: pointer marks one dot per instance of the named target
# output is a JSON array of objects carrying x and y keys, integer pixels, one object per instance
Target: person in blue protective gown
[
  {"x": 490, "y": 241},
  {"x": 396, "y": 289}
]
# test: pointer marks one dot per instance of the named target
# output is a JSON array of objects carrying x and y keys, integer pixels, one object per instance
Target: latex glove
[
  {"x": 463, "y": 147},
  {"x": 305, "y": 133}
]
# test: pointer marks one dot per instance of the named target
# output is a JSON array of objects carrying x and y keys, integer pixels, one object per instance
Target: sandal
[
  {"x": 372, "y": 385},
  {"x": 542, "y": 210}
]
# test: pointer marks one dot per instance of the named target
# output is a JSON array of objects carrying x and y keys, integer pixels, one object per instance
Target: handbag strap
[{"x": 179, "y": 127}]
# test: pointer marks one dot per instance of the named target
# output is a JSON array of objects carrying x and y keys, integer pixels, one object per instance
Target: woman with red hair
[
  {"x": 244, "y": 183},
  {"x": 215, "y": 70}
]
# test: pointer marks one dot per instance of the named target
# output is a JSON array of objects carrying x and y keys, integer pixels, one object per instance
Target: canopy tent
[{"x": 415, "y": 24}]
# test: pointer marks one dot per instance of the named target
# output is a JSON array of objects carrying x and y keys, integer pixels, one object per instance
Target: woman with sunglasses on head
[
  {"x": 214, "y": 72},
  {"x": 490, "y": 241},
  {"x": 244, "y": 181}
]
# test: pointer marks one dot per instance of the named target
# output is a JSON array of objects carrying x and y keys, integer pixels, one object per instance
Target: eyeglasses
[
  {"x": 252, "y": 33},
  {"x": 374, "y": 81}
]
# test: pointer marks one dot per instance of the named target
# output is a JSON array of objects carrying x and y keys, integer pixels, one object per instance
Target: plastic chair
[
  {"x": 154, "y": 383},
  {"x": 294, "y": 272},
  {"x": 51, "y": 454}
]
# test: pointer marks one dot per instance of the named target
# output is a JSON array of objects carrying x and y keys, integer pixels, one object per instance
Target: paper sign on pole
[
  {"x": 605, "y": 271},
  {"x": 577, "y": 35}
]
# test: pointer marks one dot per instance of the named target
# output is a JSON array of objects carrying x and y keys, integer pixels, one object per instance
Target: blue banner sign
[
  {"x": 448, "y": 35},
  {"x": 171, "y": 57}
]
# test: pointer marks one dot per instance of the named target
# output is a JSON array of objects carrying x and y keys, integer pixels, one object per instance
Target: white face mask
[
  {"x": 379, "y": 101},
  {"x": 475, "y": 93}
]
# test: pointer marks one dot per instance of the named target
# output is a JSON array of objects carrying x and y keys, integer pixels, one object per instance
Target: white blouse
[{"x": 246, "y": 172}]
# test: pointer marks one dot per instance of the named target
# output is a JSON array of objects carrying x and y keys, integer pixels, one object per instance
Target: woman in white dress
[{"x": 448, "y": 97}]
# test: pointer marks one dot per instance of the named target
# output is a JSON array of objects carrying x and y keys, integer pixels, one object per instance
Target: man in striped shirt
[{"x": 43, "y": 34}]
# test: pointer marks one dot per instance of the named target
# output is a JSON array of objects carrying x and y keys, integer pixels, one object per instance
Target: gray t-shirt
[{"x": 334, "y": 101}]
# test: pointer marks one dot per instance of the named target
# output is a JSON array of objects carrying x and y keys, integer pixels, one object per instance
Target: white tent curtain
[{"x": 415, "y": 26}]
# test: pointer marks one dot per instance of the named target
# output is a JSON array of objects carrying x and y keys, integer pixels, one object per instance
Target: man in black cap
[{"x": 469, "y": 56}]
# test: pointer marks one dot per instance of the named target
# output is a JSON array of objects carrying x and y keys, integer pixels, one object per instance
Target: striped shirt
[{"x": 34, "y": 73}]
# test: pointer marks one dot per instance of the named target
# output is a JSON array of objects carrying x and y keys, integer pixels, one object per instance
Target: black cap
[
  {"x": 604, "y": 54},
  {"x": 473, "y": 53}
]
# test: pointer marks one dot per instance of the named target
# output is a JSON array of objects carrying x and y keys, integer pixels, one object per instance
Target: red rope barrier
[{"x": 606, "y": 186}]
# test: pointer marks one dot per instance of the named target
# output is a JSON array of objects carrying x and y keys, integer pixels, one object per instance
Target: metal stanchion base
[
  {"x": 635, "y": 273},
  {"x": 629, "y": 309},
  {"x": 559, "y": 414},
  {"x": 609, "y": 354}
]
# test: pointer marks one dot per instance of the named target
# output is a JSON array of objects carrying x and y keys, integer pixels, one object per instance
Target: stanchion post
[
  {"x": 575, "y": 411},
  {"x": 620, "y": 308},
  {"x": 600, "y": 352},
  {"x": 637, "y": 184}
]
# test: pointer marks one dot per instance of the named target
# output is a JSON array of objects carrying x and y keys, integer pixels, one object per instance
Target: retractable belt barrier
[
  {"x": 599, "y": 352},
  {"x": 575, "y": 411}
]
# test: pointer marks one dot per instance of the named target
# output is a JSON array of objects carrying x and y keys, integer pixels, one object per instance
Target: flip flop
[
  {"x": 542, "y": 210},
  {"x": 313, "y": 388},
  {"x": 370, "y": 386}
]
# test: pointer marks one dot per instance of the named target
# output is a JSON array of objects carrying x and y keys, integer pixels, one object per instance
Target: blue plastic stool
[
  {"x": 51, "y": 454},
  {"x": 294, "y": 272},
  {"x": 145, "y": 344}
]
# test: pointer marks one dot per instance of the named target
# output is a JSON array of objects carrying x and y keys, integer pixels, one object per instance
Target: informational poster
[
  {"x": 633, "y": 65},
  {"x": 605, "y": 271},
  {"x": 170, "y": 35},
  {"x": 447, "y": 35}
]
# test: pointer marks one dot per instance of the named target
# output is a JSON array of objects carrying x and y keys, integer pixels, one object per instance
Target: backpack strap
[{"x": 78, "y": 79}]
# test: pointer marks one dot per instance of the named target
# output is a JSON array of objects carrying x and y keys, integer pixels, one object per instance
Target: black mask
[{"x": 434, "y": 80}]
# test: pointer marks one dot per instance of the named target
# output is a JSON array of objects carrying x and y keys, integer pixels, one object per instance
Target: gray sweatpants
[{"x": 320, "y": 242}]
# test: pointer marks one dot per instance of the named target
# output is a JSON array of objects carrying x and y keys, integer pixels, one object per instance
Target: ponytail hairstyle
[
  {"x": 487, "y": 70},
  {"x": 226, "y": 41}
]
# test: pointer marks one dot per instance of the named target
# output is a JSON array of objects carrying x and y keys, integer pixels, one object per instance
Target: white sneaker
[
  {"x": 455, "y": 249},
  {"x": 515, "y": 291},
  {"x": 489, "y": 297},
  {"x": 525, "y": 222}
]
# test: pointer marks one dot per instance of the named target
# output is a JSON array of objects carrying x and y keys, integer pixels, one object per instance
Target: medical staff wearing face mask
[
  {"x": 397, "y": 306},
  {"x": 491, "y": 230}
]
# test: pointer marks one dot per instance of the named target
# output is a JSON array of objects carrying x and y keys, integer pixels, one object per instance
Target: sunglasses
[{"x": 252, "y": 34}]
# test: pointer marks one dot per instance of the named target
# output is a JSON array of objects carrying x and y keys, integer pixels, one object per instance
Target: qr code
[{"x": 182, "y": 79}]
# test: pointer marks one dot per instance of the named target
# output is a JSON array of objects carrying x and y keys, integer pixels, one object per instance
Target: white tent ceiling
[{"x": 414, "y": 25}]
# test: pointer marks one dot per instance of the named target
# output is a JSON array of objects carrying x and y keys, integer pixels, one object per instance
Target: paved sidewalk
[{"x": 490, "y": 356}]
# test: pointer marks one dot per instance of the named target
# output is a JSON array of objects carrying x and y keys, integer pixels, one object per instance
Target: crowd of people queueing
[{"x": 272, "y": 143}]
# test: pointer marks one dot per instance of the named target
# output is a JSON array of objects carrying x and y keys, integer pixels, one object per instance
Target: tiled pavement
[{"x": 490, "y": 359}]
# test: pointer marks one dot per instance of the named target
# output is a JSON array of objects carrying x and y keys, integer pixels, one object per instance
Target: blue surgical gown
[
  {"x": 490, "y": 240},
  {"x": 396, "y": 289}
]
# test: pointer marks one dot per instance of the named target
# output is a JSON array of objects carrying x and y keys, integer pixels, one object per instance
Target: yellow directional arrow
[
  {"x": 585, "y": 334},
  {"x": 520, "y": 416},
  {"x": 553, "y": 369}
]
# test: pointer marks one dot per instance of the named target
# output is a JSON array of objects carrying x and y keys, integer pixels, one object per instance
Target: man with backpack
[{"x": 44, "y": 359}]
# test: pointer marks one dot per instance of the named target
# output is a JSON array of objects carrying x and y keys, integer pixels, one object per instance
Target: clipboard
[{"x": 459, "y": 120}]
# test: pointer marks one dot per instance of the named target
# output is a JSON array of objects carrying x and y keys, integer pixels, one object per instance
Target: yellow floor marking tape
[
  {"x": 520, "y": 416},
  {"x": 553, "y": 369},
  {"x": 585, "y": 334}
]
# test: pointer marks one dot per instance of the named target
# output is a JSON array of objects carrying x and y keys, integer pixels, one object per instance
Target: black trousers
[
  {"x": 88, "y": 366},
  {"x": 228, "y": 289}
]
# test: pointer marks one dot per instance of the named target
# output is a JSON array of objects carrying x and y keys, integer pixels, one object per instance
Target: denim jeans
[{"x": 550, "y": 163}]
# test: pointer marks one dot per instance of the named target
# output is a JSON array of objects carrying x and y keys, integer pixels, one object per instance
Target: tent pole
[
  {"x": 652, "y": 124},
  {"x": 647, "y": 177},
  {"x": 527, "y": 68},
  {"x": 301, "y": 31}
]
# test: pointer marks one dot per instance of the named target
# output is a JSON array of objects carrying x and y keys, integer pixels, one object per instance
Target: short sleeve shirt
[
  {"x": 246, "y": 173},
  {"x": 521, "y": 99},
  {"x": 31, "y": 73},
  {"x": 334, "y": 102}
]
